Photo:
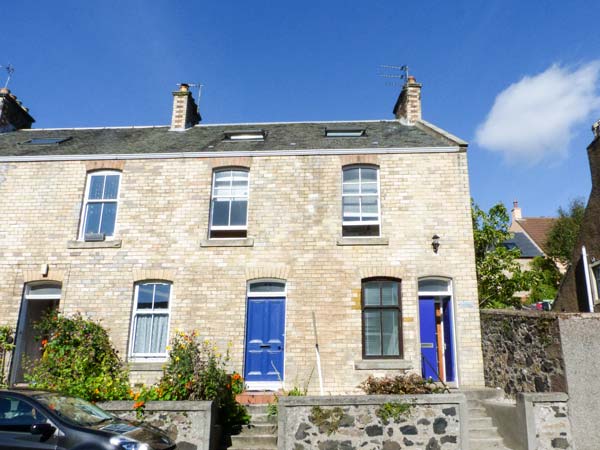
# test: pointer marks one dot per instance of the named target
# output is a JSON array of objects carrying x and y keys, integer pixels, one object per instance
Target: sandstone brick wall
[{"x": 295, "y": 221}]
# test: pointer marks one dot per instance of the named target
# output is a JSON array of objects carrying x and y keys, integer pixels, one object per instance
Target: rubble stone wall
[
  {"x": 189, "y": 423},
  {"x": 522, "y": 351},
  {"x": 373, "y": 422}
]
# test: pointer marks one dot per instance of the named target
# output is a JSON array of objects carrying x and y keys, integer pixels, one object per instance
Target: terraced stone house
[{"x": 267, "y": 237}]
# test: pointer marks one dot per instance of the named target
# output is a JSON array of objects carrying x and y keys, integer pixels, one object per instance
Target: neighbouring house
[
  {"x": 580, "y": 288},
  {"x": 529, "y": 235},
  {"x": 264, "y": 237}
]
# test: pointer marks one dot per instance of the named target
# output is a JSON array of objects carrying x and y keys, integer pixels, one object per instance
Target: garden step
[
  {"x": 477, "y": 412},
  {"x": 487, "y": 432},
  {"x": 262, "y": 418},
  {"x": 243, "y": 441},
  {"x": 486, "y": 444},
  {"x": 480, "y": 422},
  {"x": 255, "y": 428}
]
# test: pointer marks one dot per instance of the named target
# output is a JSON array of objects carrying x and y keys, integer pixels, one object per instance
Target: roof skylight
[
  {"x": 345, "y": 132},
  {"x": 46, "y": 141},
  {"x": 245, "y": 135}
]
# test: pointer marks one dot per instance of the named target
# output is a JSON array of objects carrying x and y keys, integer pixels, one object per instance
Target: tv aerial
[
  {"x": 394, "y": 72},
  {"x": 9, "y": 70}
]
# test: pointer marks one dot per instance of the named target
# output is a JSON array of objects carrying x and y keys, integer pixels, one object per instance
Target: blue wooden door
[
  {"x": 429, "y": 345},
  {"x": 265, "y": 327}
]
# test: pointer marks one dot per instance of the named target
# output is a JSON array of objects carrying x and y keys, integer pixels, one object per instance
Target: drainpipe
[{"x": 588, "y": 286}]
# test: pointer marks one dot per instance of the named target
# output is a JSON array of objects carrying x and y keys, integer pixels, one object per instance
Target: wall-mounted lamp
[{"x": 435, "y": 243}]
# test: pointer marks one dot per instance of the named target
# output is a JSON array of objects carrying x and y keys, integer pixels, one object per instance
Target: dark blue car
[{"x": 46, "y": 420}]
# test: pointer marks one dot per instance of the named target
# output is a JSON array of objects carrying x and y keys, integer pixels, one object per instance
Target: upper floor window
[
  {"x": 382, "y": 319},
  {"x": 150, "y": 324},
  {"x": 360, "y": 201},
  {"x": 99, "y": 212},
  {"x": 229, "y": 205}
]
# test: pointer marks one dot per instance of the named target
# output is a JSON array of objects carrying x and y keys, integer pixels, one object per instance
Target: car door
[{"x": 16, "y": 418}]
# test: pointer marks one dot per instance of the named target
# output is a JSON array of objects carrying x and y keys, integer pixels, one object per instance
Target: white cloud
[{"x": 533, "y": 119}]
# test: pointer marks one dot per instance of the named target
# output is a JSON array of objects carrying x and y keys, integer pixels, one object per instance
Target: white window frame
[
  {"x": 87, "y": 201},
  {"x": 362, "y": 222},
  {"x": 230, "y": 198},
  {"x": 282, "y": 293},
  {"x": 135, "y": 311}
]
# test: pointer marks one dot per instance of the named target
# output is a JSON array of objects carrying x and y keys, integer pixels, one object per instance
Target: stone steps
[
  {"x": 259, "y": 434},
  {"x": 483, "y": 435}
]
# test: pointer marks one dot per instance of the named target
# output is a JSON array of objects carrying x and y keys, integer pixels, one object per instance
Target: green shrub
[
  {"x": 78, "y": 359},
  {"x": 401, "y": 384}
]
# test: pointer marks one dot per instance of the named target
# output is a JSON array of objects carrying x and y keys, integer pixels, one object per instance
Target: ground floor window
[
  {"x": 381, "y": 318},
  {"x": 150, "y": 324}
]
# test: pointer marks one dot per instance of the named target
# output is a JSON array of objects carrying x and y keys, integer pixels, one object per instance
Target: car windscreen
[{"x": 74, "y": 410}]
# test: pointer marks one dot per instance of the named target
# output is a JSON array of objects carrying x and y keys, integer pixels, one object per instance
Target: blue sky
[{"x": 116, "y": 63}]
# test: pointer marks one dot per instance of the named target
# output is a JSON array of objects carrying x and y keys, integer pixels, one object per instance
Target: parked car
[{"x": 48, "y": 420}]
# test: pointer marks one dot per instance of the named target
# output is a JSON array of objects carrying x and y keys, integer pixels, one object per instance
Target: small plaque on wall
[{"x": 466, "y": 304}]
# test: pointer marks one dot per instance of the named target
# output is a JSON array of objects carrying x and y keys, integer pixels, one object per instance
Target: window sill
[
  {"x": 363, "y": 241},
  {"x": 115, "y": 243},
  {"x": 146, "y": 366},
  {"x": 383, "y": 364},
  {"x": 236, "y": 242}
]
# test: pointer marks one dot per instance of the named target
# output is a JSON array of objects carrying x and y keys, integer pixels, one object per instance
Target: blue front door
[
  {"x": 437, "y": 352},
  {"x": 429, "y": 343},
  {"x": 265, "y": 327}
]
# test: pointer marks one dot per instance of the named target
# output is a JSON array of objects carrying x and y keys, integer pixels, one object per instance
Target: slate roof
[
  {"x": 537, "y": 228},
  {"x": 280, "y": 136},
  {"x": 523, "y": 243}
]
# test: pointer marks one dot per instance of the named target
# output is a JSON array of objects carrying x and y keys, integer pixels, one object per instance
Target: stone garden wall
[
  {"x": 547, "y": 421},
  {"x": 369, "y": 422},
  {"x": 190, "y": 423},
  {"x": 522, "y": 351}
]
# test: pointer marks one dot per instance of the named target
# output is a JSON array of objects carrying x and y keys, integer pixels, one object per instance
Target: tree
[
  {"x": 563, "y": 234},
  {"x": 499, "y": 274},
  {"x": 545, "y": 278}
]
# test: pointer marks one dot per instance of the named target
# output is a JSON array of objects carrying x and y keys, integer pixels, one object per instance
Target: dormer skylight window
[
  {"x": 46, "y": 141},
  {"x": 345, "y": 132},
  {"x": 245, "y": 135}
]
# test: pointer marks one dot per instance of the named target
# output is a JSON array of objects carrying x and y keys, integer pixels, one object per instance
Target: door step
[
  {"x": 256, "y": 397},
  {"x": 259, "y": 434}
]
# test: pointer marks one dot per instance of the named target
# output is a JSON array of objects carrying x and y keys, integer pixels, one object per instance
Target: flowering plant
[
  {"x": 197, "y": 371},
  {"x": 77, "y": 359}
]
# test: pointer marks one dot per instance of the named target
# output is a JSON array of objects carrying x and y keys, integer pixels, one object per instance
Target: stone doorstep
[{"x": 255, "y": 398}]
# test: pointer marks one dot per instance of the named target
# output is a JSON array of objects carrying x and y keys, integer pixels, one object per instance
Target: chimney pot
[
  {"x": 516, "y": 211},
  {"x": 596, "y": 128}
]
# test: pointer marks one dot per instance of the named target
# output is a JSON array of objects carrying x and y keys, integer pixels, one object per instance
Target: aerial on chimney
[
  {"x": 408, "y": 105},
  {"x": 13, "y": 115},
  {"x": 185, "y": 111}
]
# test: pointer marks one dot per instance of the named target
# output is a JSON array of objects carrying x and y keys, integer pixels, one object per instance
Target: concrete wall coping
[
  {"x": 543, "y": 397},
  {"x": 179, "y": 405},
  {"x": 423, "y": 399}
]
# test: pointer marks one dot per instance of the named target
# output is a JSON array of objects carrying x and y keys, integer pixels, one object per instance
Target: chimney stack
[
  {"x": 516, "y": 211},
  {"x": 185, "y": 110},
  {"x": 408, "y": 105},
  {"x": 596, "y": 129},
  {"x": 13, "y": 115}
]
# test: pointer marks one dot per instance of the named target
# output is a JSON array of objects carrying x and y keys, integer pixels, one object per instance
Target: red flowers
[
  {"x": 139, "y": 404},
  {"x": 44, "y": 342}
]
